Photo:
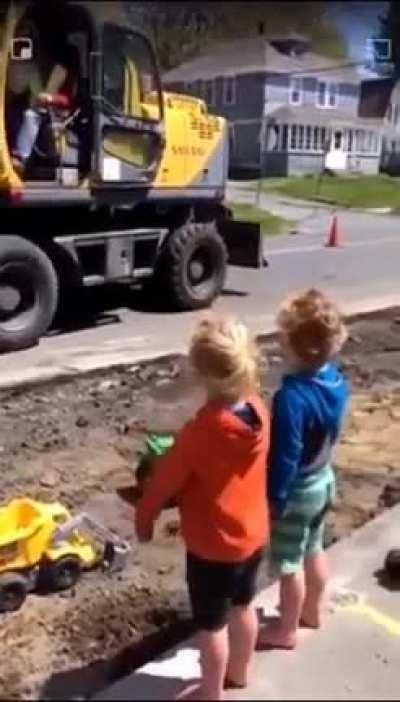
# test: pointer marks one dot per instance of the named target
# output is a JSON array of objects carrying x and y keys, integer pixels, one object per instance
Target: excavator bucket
[
  {"x": 244, "y": 242},
  {"x": 116, "y": 551},
  {"x": 115, "y": 556}
]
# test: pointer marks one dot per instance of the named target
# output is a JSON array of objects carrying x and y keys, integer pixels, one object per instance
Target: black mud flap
[{"x": 244, "y": 243}]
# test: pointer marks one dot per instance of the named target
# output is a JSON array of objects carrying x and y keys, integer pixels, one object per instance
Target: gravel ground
[{"x": 77, "y": 442}]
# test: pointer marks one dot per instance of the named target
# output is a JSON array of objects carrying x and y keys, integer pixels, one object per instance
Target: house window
[
  {"x": 284, "y": 137},
  {"x": 359, "y": 141},
  {"x": 300, "y": 143},
  {"x": 296, "y": 91},
  {"x": 316, "y": 140},
  {"x": 308, "y": 139},
  {"x": 210, "y": 97},
  {"x": 367, "y": 142},
  {"x": 229, "y": 90},
  {"x": 332, "y": 95},
  {"x": 396, "y": 115},
  {"x": 327, "y": 94},
  {"x": 350, "y": 141},
  {"x": 338, "y": 140},
  {"x": 312, "y": 139},
  {"x": 271, "y": 137},
  {"x": 293, "y": 137}
]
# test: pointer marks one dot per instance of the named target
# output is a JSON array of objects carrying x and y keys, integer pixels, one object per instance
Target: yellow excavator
[{"x": 103, "y": 175}]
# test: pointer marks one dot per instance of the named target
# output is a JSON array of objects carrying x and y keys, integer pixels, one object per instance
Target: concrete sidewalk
[
  {"x": 161, "y": 338},
  {"x": 355, "y": 657}
]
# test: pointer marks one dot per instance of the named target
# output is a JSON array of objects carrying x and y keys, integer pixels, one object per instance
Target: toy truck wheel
[
  {"x": 193, "y": 266},
  {"x": 28, "y": 293},
  {"x": 13, "y": 591},
  {"x": 64, "y": 573}
]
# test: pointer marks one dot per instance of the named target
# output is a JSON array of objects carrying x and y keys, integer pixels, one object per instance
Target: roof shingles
[{"x": 253, "y": 55}]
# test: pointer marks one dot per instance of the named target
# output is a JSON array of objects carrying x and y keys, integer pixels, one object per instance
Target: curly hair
[
  {"x": 224, "y": 358},
  {"x": 313, "y": 327}
]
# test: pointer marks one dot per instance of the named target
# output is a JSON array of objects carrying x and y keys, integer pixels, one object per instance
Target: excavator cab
[{"x": 83, "y": 101}]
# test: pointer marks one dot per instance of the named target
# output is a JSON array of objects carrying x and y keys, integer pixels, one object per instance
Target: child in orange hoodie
[{"x": 216, "y": 470}]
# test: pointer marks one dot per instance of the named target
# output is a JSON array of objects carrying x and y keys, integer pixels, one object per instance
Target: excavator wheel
[
  {"x": 13, "y": 591},
  {"x": 64, "y": 573},
  {"x": 28, "y": 293},
  {"x": 193, "y": 265}
]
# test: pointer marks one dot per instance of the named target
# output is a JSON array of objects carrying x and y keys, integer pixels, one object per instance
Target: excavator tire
[
  {"x": 28, "y": 293},
  {"x": 193, "y": 265}
]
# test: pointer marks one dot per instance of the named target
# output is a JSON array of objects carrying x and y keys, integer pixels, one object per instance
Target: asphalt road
[{"x": 362, "y": 274}]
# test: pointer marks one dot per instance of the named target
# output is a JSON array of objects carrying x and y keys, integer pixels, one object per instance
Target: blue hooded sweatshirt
[{"x": 307, "y": 415}]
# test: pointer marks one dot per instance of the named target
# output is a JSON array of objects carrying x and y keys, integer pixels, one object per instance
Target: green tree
[{"x": 183, "y": 30}]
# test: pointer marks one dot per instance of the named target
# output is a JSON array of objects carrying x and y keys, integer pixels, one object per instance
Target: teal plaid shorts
[{"x": 299, "y": 532}]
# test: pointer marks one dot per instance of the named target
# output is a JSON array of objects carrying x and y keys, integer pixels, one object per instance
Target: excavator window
[
  {"x": 47, "y": 97},
  {"x": 130, "y": 79}
]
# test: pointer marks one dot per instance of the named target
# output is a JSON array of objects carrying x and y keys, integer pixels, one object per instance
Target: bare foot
[
  {"x": 310, "y": 619},
  {"x": 274, "y": 637},
  {"x": 230, "y": 684}
]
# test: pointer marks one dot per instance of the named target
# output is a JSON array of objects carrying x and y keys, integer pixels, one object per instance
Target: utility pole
[{"x": 263, "y": 133}]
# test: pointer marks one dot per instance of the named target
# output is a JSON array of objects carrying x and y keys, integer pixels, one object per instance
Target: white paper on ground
[{"x": 183, "y": 664}]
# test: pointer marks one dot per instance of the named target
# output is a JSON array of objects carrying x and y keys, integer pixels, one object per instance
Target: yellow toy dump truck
[
  {"x": 103, "y": 175},
  {"x": 42, "y": 544}
]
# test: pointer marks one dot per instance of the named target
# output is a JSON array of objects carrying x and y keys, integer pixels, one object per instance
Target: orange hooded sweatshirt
[{"x": 217, "y": 471}]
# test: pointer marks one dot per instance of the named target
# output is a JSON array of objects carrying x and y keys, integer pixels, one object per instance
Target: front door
[
  {"x": 336, "y": 158},
  {"x": 129, "y": 110}
]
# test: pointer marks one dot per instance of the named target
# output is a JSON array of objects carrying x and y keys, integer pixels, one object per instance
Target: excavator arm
[{"x": 116, "y": 550}]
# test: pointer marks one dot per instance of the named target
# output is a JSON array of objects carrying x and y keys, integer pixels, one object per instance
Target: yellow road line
[{"x": 391, "y": 625}]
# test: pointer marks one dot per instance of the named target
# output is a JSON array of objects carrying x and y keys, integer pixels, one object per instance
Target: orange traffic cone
[{"x": 334, "y": 239}]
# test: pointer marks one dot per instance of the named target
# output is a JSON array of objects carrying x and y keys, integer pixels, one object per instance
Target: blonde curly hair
[
  {"x": 224, "y": 358},
  {"x": 312, "y": 327}
]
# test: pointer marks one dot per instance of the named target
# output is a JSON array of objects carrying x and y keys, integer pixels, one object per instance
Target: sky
[{"x": 358, "y": 21}]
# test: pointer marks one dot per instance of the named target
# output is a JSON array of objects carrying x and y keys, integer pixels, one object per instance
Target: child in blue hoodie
[{"x": 307, "y": 415}]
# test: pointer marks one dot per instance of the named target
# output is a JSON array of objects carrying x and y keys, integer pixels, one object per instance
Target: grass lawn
[
  {"x": 360, "y": 191},
  {"x": 270, "y": 224}
]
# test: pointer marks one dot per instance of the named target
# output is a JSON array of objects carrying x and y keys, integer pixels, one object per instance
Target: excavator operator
[{"x": 32, "y": 87}]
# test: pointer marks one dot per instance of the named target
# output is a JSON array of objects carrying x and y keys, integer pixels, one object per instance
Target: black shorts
[{"x": 215, "y": 587}]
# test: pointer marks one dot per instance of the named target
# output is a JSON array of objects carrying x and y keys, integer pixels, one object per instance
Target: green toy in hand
[{"x": 157, "y": 445}]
